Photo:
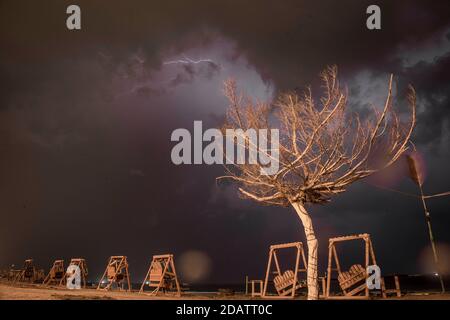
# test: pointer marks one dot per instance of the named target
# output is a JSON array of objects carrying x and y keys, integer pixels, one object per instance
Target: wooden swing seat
[
  {"x": 29, "y": 272},
  {"x": 56, "y": 274},
  {"x": 354, "y": 275},
  {"x": 111, "y": 272},
  {"x": 120, "y": 277},
  {"x": 156, "y": 273},
  {"x": 283, "y": 283}
]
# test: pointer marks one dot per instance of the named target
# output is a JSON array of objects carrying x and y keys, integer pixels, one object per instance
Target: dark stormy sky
[{"x": 86, "y": 118}]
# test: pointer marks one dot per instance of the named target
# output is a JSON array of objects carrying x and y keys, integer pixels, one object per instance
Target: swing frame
[
  {"x": 369, "y": 256},
  {"x": 300, "y": 255},
  {"x": 58, "y": 266},
  {"x": 120, "y": 265},
  {"x": 80, "y": 263},
  {"x": 168, "y": 274},
  {"x": 21, "y": 275}
]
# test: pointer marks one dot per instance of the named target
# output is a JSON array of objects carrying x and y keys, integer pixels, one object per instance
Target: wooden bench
[
  {"x": 283, "y": 283},
  {"x": 354, "y": 276}
]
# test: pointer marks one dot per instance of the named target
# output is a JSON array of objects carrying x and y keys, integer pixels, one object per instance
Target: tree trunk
[{"x": 313, "y": 288}]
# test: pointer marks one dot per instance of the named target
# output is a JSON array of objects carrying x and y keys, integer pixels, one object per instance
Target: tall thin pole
[
  {"x": 430, "y": 234},
  {"x": 246, "y": 285}
]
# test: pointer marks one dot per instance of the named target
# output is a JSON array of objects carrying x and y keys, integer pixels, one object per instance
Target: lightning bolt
[
  {"x": 187, "y": 60},
  {"x": 184, "y": 60}
]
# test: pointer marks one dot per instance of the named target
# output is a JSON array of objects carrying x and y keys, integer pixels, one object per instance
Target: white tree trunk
[{"x": 313, "y": 288}]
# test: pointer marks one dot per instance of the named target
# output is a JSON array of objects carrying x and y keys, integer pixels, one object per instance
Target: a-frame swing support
[
  {"x": 56, "y": 275},
  {"x": 369, "y": 258},
  {"x": 28, "y": 273},
  {"x": 116, "y": 273},
  {"x": 273, "y": 259},
  {"x": 80, "y": 263},
  {"x": 161, "y": 275}
]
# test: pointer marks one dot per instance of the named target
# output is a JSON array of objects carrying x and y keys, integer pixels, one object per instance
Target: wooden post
[
  {"x": 338, "y": 264},
  {"x": 277, "y": 265},
  {"x": 246, "y": 285},
  {"x": 431, "y": 236},
  {"x": 397, "y": 287},
  {"x": 297, "y": 261},
  {"x": 266, "y": 280},
  {"x": 330, "y": 252},
  {"x": 366, "y": 245},
  {"x": 372, "y": 253},
  {"x": 176, "y": 278}
]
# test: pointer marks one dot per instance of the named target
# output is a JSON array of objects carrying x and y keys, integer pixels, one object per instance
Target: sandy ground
[{"x": 38, "y": 292}]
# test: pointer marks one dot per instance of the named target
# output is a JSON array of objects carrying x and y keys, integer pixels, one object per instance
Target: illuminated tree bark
[{"x": 311, "y": 241}]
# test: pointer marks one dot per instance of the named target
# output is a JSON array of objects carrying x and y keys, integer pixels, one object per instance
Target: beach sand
[{"x": 39, "y": 292}]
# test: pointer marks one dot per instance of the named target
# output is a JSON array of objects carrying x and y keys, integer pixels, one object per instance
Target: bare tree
[{"x": 322, "y": 149}]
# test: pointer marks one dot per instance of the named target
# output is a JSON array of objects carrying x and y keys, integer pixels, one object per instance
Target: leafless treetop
[{"x": 323, "y": 147}]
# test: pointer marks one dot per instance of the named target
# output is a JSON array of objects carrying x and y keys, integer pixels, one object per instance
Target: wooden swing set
[
  {"x": 116, "y": 274},
  {"x": 162, "y": 276},
  {"x": 80, "y": 263},
  {"x": 56, "y": 274},
  {"x": 29, "y": 273},
  {"x": 286, "y": 283},
  {"x": 353, "y": 282}
]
